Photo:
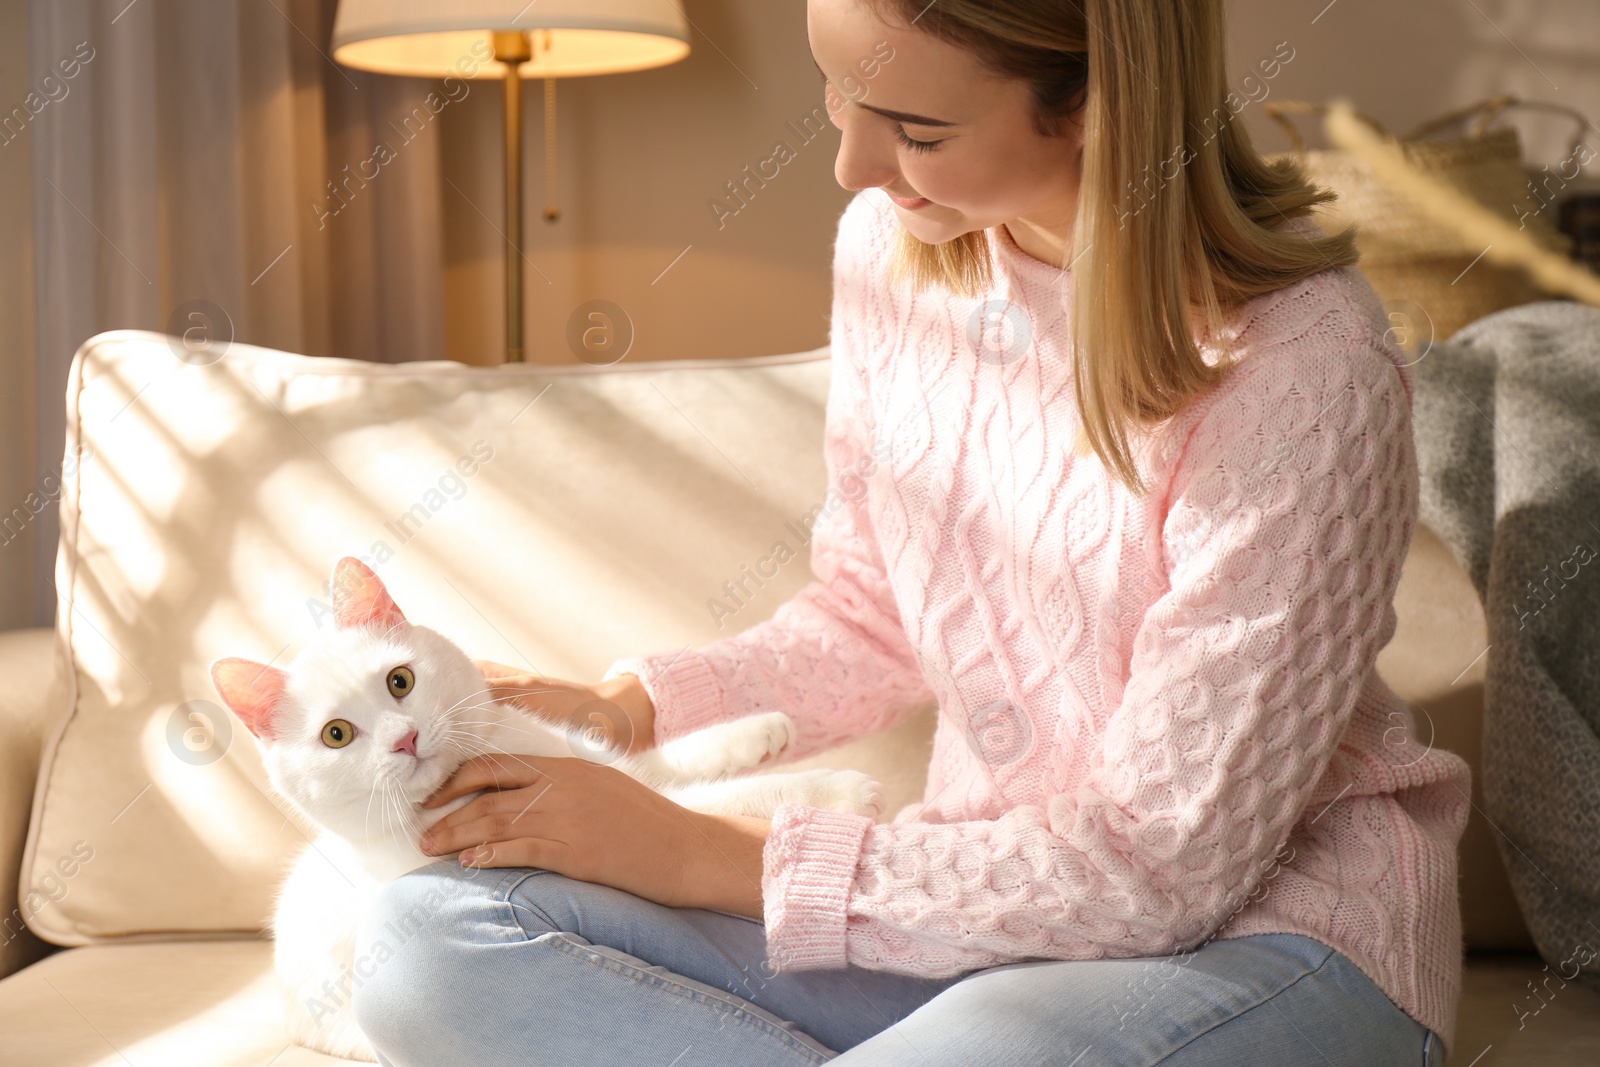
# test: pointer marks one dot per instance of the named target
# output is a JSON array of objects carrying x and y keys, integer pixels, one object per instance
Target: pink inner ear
[
  {"x": 251, "y": 690},
  {"x": 360, "y": 599}
]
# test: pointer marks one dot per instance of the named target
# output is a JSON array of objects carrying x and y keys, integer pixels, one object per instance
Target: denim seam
[
  {"x": 512, "y": 907},
  {"x": 597, "y": 955},
  {"x": 510, "y": 928},
  {"x": 1266, "y": 999}
]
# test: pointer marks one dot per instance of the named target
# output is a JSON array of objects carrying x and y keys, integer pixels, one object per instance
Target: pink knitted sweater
[{"x": 1159, "y": 717}]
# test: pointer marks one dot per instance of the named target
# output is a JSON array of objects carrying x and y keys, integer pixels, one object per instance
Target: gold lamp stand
[
  {"x": 513, "y": 48},
  {"x": 576, "y": 38}
]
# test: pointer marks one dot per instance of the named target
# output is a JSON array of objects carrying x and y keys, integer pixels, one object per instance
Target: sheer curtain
[{"x": 191, "y": 156}]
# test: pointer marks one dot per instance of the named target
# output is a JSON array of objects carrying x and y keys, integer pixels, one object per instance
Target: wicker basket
[{"x": 1423, "y": 270}]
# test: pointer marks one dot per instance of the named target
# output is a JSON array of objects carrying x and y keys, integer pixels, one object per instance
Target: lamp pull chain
[{"x": 550, "y": 212}]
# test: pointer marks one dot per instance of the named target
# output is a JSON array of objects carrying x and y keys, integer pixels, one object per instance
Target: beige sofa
[{"x": 552, "y": 517}]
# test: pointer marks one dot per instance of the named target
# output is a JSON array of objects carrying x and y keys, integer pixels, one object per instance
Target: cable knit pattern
[{"x": 1159, "y": 716}]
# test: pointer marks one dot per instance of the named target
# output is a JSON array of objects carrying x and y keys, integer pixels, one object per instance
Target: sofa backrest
[{"x": 552, "y": 517}]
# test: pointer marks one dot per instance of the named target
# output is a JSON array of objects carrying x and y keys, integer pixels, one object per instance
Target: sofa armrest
[{"x": 28, "y": 666}]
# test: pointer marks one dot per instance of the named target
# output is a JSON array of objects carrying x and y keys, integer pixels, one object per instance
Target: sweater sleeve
[
  {"x": 1290, "y": 508},
  {"x": 834, "y": 656}
]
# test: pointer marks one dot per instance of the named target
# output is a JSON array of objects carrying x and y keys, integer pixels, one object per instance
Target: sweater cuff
[
  {"x": 808, "y": 866},
  {"x": 683, "y": 689}
]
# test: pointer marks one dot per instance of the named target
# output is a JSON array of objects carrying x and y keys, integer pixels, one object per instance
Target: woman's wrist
[
  {"x": 725, "y": 866},
  {"x": 628, "y": 693}
]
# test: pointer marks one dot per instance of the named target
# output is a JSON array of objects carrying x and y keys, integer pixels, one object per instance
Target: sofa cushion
[
  {"x": 550, "y": 517},
  {"x": 214, "y": 1004}
]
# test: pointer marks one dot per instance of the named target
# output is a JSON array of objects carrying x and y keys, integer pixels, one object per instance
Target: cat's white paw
[
  {"x": 761, "y": 739},
  {"x": 723, "y": 750},
  {"x": 847, "y": 792}
]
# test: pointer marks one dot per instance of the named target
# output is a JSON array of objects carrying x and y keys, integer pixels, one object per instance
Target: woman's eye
[
  {"x": 401, "y": 682},
  {"x": 337, "y": 733},
  {"x": 915, "y": 145}
]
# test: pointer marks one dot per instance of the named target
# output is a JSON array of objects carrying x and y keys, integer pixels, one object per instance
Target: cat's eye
[
  {"x": 337, "y": 733},
  {"x": 401, "y": 682}
]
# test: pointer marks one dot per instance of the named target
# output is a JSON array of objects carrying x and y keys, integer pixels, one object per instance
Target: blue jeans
[{"x": 524, "y": 966}]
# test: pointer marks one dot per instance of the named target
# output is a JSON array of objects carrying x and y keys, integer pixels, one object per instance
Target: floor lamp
[{"x": 513, "y": 40}]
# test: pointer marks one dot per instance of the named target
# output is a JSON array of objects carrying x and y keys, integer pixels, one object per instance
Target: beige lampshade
[{"x": 431, "y": 39}]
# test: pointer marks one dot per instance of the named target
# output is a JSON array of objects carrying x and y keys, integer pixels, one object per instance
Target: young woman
[{"x": 1122, "y": 477}]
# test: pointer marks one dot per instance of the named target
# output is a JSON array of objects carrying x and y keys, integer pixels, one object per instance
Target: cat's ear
[
  {"x": 360, "y": 599},
  {"x": 252, "y": 691}
]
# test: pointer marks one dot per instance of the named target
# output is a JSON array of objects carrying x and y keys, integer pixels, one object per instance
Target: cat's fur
[{"x": 364, "y": 796}]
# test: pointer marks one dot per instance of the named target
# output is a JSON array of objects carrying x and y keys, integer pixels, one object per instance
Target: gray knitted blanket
[{"x": 1507, "y": 418}]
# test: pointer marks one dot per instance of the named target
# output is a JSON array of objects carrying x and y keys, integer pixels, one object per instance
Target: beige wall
[
  {"x": 640, "y": 156},
  {"x": 1406, "y": 61}
]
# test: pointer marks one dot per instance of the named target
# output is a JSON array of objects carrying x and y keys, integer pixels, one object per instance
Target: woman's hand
[
  {"x": 592, "y": 822},
  {"x": 613, "y": 714}
]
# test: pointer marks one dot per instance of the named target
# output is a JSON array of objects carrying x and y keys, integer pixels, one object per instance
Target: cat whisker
[
  {"x": 533, "y": 728},
  {"x": 469, "y": 696},
  {"x": 528, "y": 731},
  {"x": 388, "y": 803},
  {"x": 457, "y": 730},
  {"x": 521, "y": 690},
  {"x": 366, "y": 821},
  {"x": 529, "y": 688},
  {"x": 492, "y": 707},
  {"x": 409, "y": 819},
  {"x": 468, "y": 748},
  {"x": 404, "y": 815}
]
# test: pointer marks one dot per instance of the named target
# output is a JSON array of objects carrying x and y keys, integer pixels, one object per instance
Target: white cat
[{"x": 371, "y": 720}]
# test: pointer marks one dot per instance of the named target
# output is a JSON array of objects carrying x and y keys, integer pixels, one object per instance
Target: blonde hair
[{"x": 1191, "y": 223}]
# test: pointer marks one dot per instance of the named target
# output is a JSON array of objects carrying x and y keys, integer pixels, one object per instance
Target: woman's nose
[{"x": 865, "y": 160}]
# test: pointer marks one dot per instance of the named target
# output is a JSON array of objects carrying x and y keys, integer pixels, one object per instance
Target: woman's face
[{"x": 985, "y": 165}]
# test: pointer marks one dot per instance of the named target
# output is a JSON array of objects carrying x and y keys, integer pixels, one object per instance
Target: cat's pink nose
[{"x": 408, "y": 743}]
